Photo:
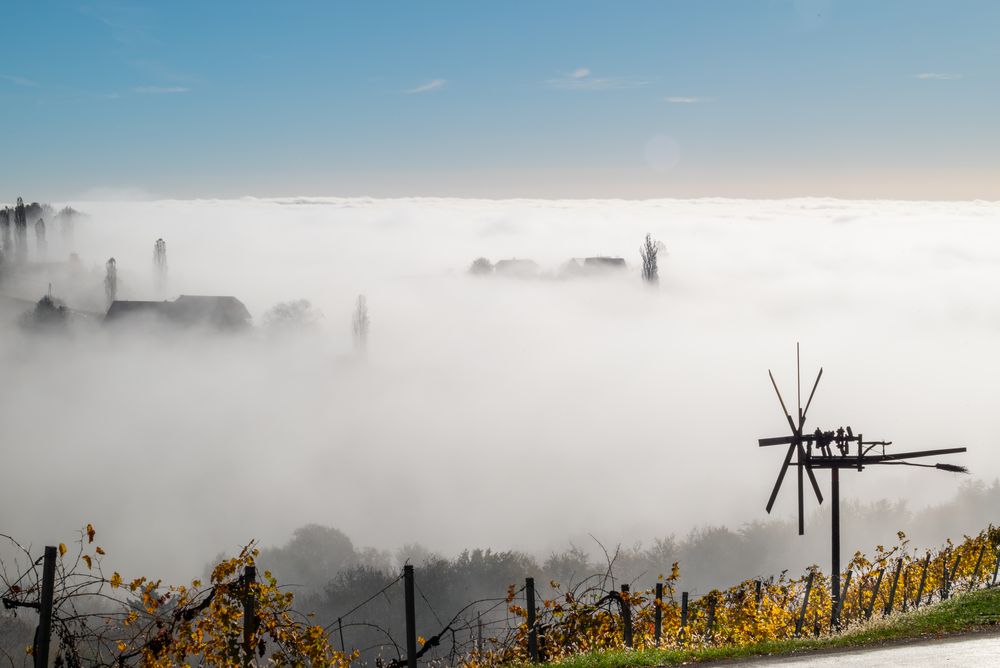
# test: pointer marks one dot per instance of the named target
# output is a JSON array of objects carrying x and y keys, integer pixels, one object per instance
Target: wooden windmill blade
[
  {"x": 807, "y": 464},
  {"x": 781, "y": 477},
  {"x": 790, "y": 440},
  {"x": 796, "y": 446},
  {"x": 784, "y": 440},
  {"x": 784, "y": 410},
  {"x": 811, "y": 394},
  {"x": 802, "y": 422}
]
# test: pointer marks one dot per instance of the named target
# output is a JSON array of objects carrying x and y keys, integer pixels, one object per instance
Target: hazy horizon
[{"x": 478, "y": 394}]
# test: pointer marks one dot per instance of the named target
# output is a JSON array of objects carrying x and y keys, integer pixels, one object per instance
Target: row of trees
[
  {"x": 14, "y": 229},
  {"x": 237, "y": 613},
  {"x": 15, "y": 222},
  {"x": 335, "y": 575}
]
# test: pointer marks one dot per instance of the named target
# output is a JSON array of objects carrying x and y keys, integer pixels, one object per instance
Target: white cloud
[
  {"x": 160, "y": 90},
  {"x": 937, "y": 76},
  {"x": 432, "y": 85},
  {"x": 19, "y": 81},
  {"x": 686, "y": 100},
  {"x": 581, "y": 79}
]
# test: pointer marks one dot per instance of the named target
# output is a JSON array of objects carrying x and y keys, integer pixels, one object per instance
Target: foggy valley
[
  {"x": 493, "y": 411},
  {"x": 492, "y": 335}
]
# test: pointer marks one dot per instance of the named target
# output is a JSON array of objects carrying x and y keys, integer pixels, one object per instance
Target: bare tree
[
  {"x": 648, "y": 252},
  {"x": 111, "y": 281},
  {"x": 20, "y": 231},
  {"x": 298, "y": 315},
  {"x": 160, "y": 263},
  {"x": 361, "y": 323}
]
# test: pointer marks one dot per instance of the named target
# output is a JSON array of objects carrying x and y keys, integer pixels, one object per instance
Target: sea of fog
[{"x": 492, "y": 411}]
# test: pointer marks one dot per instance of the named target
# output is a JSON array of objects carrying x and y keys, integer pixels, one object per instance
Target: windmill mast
[
  {"x": 802, "y": 446},
  {"x": 835, "y": 535}
]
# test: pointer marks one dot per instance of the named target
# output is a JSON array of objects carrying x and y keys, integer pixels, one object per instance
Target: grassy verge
[{"x": 961, "y": 613}]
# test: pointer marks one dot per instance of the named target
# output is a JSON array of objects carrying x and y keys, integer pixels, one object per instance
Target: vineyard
[
  {"x": 753, "y": 611},
  {"x": 242, "y": 617}
]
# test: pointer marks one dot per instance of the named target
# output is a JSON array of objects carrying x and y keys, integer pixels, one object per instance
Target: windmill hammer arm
[{"x": 867, "y": 460}]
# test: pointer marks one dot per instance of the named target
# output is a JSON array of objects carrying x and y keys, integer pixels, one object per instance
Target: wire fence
[{"x": 519, "y": 625}]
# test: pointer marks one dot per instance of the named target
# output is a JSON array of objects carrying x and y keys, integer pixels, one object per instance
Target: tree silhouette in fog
[
  {"x": 160, "y": 263},
  {"x": 298, "y": 315},
  {"x": 648, "y": 252},
  {"x": 49, "y": 314},
  {"x": 481, "y": 266},
  {"x": 41, "y": 245},
  {"x": 111, "y": 281},
  {"x": 313, "y": 556},
  {"x": 361, "y": 323},
  {"x": 6, "y": 214},
  {"x": 20, "y": 231}
]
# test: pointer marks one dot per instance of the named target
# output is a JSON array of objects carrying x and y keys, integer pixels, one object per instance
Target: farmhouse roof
[
  {"x": 221, "y": 312},
  {"x": 605, "y": 262}
]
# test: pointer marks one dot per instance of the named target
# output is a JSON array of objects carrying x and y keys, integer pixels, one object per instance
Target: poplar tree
[
  {"x": 361, "y": 323},
  {"x": 648, "y": 252},
  {"x": 41, "y": 245},
  {"x": 111, "y": 281},
  {"x": 160, "y": 263}
]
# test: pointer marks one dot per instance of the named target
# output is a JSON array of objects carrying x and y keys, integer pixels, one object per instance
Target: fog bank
[{"x": 489, "y": 411}]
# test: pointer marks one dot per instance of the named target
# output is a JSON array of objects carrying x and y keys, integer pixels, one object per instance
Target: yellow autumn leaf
[
  {"x": 116, "y": 580},
  {"x": 121, "y": 645},
  {"x": 90, "y": 533},
  {"x": 100, "y": 550},
  {"x": 421, "y": 640},
  {"x": 62, "y": 549},
  {"x": 86, "y": 560}
]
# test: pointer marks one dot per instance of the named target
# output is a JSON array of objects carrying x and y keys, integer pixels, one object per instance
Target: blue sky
[{"x": 544, "y": 98}]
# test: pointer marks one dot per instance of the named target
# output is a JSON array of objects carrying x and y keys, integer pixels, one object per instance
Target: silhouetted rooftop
[
  {"x": 605, "y": 262},
  {"x": 516, "y": 266},
  {"x": 221, "y": 312}
]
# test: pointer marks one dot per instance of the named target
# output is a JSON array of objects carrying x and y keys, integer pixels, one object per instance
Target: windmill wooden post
[
  {"x": 923, "y": 581},
  {"x": 658, "y": 614},
  {"x": 834, "y": 450}
]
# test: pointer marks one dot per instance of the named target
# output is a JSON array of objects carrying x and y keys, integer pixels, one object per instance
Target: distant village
[
  {"x": 46, "y": 294},
  {"x": 524, "y": 268},
  {"x": 577, "y": 267},
  {"x": 24, "y": 266}
]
